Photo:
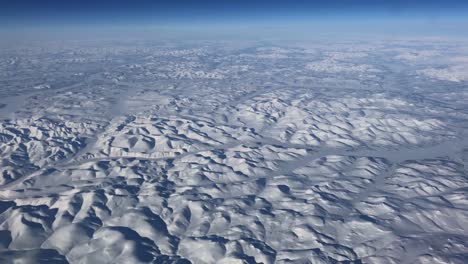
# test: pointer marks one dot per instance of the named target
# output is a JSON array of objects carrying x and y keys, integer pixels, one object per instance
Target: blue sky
[
  {"x": 146, "y": 11},
  {"x": 425, "y": 15}
]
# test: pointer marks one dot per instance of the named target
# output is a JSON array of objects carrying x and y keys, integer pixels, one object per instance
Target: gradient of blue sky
[
  {"x": 179, "y": 11},
  {"x": 240, "y": 18}
]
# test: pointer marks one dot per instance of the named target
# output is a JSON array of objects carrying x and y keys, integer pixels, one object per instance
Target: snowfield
[{"x": 211, "y": 152}]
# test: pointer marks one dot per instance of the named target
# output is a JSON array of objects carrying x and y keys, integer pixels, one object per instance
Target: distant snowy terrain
[{"x": 234, "y": 152}]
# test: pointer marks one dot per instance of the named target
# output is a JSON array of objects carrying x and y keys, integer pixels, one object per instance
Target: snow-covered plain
[{"x": 221, "y": 152}]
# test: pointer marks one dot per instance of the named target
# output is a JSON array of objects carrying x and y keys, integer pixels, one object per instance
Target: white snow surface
[{"x": 221, "y": 152}]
